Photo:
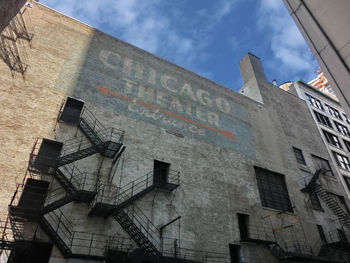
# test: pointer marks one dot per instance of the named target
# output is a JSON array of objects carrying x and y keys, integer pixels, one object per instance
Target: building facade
[
  {"x": 325, "y": 27},
  {"x": 333, "y": 125},
  {"x": 121, "y": 156}
]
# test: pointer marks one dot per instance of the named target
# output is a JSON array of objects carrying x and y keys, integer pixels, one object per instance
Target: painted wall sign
[{"x": 121, "y": 80}]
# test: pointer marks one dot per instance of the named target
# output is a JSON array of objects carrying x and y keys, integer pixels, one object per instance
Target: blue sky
[{"x": 205, "y": 36}]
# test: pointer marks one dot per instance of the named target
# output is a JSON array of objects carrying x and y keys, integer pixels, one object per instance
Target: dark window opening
[
  {"x": 342, "y": 236},
  {"x": 30, "y": 252},
  {"x": 332, "y": 139},
  {"x": 243, "y": 222},
  {"x": 323, "y": 119},
  {"x": 299, "y": 156},
  {"x": 46, "y": 159},
  {"x": 160, "y": 172},
  {"x": 314, "y": 201},
  {"x": 321, "y": 233},
  {"x": 33, "y": 195},
  {"x": 72, "y": 110},
  {"x": 273, "y": 190},
  {"x": 321, "y": 163},
  {"x": 234, "y": 253}
]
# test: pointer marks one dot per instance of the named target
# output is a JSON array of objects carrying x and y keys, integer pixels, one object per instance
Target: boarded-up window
[{"x": 273, "y": 190}]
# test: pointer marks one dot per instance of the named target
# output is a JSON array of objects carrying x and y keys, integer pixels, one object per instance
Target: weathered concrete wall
[
  {"x": 212, "y": 135},
  {"x": 8, "y": 10}
]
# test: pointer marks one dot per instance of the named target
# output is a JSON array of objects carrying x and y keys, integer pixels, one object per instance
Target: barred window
[
  {"x": 332, "y": 139},
  {"x": 314, "y": 102},
  {"x": 342, "y": 161},
  {"x": 342, "y": 129},
  {"x": 334, "y": 112},
  {"x": 323, "y": 119},
  {"x": 273, "y": 190},
  {"x": 299, "y": 156}
]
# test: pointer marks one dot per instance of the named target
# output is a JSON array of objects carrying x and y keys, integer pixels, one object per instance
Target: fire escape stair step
[
  {"x": 64, "y": 249},
  {"x": 81, "y": 154},
  {"x": 135, "y": 234}
]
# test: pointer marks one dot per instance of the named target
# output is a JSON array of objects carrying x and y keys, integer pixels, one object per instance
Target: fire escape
[
  {"x": 289, "y": 249},
  {"x": 315, "y": 186},
  {"x": 12, "y": 49}
]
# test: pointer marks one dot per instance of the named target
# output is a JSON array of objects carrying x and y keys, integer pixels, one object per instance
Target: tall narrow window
[
  {"x": 234, "y": 253},
  {"x": 321, "y": 233},
  {"x": 273, "y": 190},
  {"x": 323, "y": 119},
  {"x": 332, "y": 139},
  {"x": 342, "y": 161},
  {"x": 334, "y": 112},
  {"x": 160, "y": 173},
  {"x": 243, "y": 223},
  {"x": 314, "y": 102},
  {"x": 299, "y": 156}
]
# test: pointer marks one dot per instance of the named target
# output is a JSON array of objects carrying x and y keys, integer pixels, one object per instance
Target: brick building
[{"x": 121, "y": 156}]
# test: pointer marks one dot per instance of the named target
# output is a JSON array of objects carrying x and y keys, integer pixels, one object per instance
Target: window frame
[
  {"x": 323, "y": 119},
  {"x": 347, "y": 144},
  {"x": 314, "y": 102},
  {"x": 333, "y": 112},
  {"x": 342, "y": 161},
  {"x": 342, "y": 129},
  {"x": 299, "y": 156},
  {"x": 332, "y": 139},
  {"x": 273, "y": 190}
]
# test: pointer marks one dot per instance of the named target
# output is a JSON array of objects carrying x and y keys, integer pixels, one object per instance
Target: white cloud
[
  {"x": 291, "y": 56},
  {"x": 148, "y": 25}
]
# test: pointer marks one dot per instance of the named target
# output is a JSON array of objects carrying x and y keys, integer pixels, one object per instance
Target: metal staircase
[
  {"x": 316, "y": 186},
  {"x": 139, "y": 228},
  {"x": 58, "y": 228},
  {"x": 77, "y": 187}
]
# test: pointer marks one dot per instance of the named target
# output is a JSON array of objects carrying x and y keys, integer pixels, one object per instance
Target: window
[
  {"x": 299, "y": 156},
  {"x": 273, "y": 190},
  {"x": 323, "y": 119},
  {"x": 314, "y": 201},
  {"x": 314, "y": 102},
  {"x": 347, "y": 144},
  {"x": 321, "y": 233},
  {"x": 342, "y": 129},
  {"x": 342, "y": 161},
  {"x": 322, "y": 163},
  {"x": 335, "y": 113},
  {"x": 341, "y": 201},
  {"x": 347, "y": 181},
  {"x": 346, "y": 118},
  {"x": 332, "y": 139},
  {"x": 243, "y": 221}
]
